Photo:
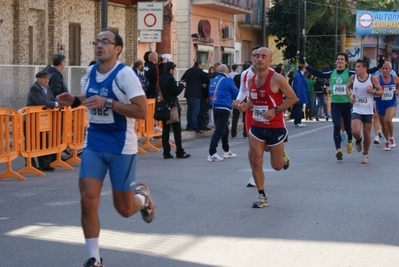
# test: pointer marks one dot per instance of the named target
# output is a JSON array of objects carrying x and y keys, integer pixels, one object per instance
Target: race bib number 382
[{"x": 101, "y": 115}]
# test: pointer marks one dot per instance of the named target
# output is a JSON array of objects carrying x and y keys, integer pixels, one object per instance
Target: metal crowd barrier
[
  {"x": 39, "y": 131},
  {"x": 8, "y": 150},
  {"x": 44, "y": 131}
]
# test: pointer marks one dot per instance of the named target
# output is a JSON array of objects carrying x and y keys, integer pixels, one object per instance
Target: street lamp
[
  {"x": 336, "y": 28},
  {"x": 298, "y": 30},
  {"x": 263, "y": 35}
]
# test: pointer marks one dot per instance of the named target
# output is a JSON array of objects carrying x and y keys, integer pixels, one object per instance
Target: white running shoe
[
  {"x": 251, "y": 182},
  {"x": 215, "y": 157},
  {"x": 157, "y": 128},
  {"x": 387, "y": 146},
  {"x": 229, "y": 154},
  {"x": 365, "y": 159},
  {"x": 392, "y": 142}
]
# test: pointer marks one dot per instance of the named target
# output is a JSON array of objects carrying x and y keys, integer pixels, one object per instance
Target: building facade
[{"x": 35, "y": 30}]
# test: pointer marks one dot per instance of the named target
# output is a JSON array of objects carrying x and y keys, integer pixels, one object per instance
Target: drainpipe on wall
[
  {"x": 104, "y": 14},
  {"x": 190, "y": 40},
  {"x": 233, "y": 41}
]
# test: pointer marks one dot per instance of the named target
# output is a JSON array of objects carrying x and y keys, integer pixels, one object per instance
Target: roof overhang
[
  {"x": 222, "y": 6},
  {"x": 203, "y": 48},
  {"x": 129, "y": 2}
]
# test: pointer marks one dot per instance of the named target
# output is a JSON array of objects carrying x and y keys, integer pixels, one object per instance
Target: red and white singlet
[{"x": 264, "y": 99}]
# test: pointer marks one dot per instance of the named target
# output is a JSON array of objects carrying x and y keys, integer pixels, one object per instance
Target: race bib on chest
[
  {"x": 388, "y": 93},
  {"x": 339, "y": 89},
  {"x": 363, "y": 101},
  {"x": 259, "y": 112},
  {"x": 101, "y": 115}
]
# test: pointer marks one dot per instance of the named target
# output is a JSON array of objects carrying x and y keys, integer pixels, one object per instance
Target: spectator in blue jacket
[
  {"x": 222, "y": 93},
  {"x": 300, "y": 86}
]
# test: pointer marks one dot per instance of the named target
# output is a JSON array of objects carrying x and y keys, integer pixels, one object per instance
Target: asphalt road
[{"x": 321, "y": 212}]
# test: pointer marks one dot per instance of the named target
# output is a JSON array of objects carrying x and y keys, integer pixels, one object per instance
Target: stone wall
[
  {"x": 50, "y": 20},
  {"x": 6, "y": 31},
  {"x": 21, "y": 32},
  {"x": 37, "y": 20}
]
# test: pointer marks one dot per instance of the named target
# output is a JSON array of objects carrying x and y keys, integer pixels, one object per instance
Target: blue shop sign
[{"x": 377, "y": 22}]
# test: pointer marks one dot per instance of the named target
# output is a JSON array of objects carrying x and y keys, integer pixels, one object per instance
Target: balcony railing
[{"x": 233, "y": 7}]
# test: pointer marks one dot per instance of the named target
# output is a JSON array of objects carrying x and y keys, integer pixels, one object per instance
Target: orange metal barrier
[
  {"x": 47, "y": 133},
  {"x": 139, "y": 129},
  {"x": 79, "y": 122},
  {"x": 149, "y": 131},
  {"x": 51, "y": 131},
  {"x": 8, "y": 152}
]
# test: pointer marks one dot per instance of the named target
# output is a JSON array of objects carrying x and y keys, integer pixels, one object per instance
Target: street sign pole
[{"x": 150, "y": 22}]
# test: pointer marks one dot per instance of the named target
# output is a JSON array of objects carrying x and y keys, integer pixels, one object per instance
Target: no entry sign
[{"x": 150, "y": 15}]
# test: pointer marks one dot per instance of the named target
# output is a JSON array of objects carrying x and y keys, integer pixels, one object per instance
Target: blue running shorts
[
  {"x": 122, "y": 168},
  {"x": 383, "y": 107},
  {"x": 272, "y": 136}
]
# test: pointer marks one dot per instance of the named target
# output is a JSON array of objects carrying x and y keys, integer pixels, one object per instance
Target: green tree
[
  {"x": 320, "y": 21},
  {"x": 347, "y": 17},
  {"x": 283, "y": 24}
]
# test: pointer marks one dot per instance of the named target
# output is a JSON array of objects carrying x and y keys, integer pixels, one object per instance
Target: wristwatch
[
  {"x": 276, "y": 110},
  {"x": 109, "y": 102}
]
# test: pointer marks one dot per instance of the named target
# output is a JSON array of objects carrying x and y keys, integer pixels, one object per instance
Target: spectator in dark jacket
[
  {"x": 196, "y": 80},
  {"x": 57, "y": 83},
  {"x": 151, "y": 72},
  {"x": 170, "y": 90},
  {"x": 40, "y": 95}
]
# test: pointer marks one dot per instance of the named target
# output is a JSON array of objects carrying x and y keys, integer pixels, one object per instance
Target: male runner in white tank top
[{"x": 361, "y": 97}]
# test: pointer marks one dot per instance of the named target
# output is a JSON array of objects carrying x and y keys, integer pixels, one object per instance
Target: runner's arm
[
  {"x": 137, "y": 108},
  {"x": 286, "y": 89},
  {"x": 320, "y": 74},
  {"x": 396, "y": 79},
  {"x": 378, "y": 89},
  {"x": 349, "y": 86}
]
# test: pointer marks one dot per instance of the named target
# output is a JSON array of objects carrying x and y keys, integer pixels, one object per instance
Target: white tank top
[{"x": 364, "y": 100}]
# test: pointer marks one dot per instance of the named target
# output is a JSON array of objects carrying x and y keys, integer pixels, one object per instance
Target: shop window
[
  {"x": 226, "y": 59},
  {"x": 203, "y": 57}
]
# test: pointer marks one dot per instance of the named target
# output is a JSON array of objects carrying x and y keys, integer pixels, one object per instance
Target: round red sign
[
  {"x": 204, "y": 28},
  {"x": 150, "y": 20}
]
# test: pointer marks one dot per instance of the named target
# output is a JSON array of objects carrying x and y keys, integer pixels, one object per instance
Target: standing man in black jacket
[
  {"x": 196, "y": 80},
  {"x": 151, "y": 72},
  {"x": 57, "y": 83}
]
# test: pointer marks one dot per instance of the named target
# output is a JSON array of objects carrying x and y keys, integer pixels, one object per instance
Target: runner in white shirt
[
  {"x": 242, "y": 95},
  {"x": 114, "y": 99},
  {"x": 361, "y": 97}
]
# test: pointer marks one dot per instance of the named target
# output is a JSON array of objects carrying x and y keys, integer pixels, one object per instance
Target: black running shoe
[{"x": 93, "y": 263}]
